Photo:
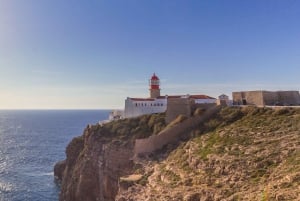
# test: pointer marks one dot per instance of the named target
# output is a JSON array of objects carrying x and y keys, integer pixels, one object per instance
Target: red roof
[
  {"x": 175, "y": 96},
  {"x": 201, "y": 97},
  {"x": 161, "y": 97},
  {"x": 142, "y": 99},
  {"x": 190, "y": 96},
  {"x": 154, "y": 77}
]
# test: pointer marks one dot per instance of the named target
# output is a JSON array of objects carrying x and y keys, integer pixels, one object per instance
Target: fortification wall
[
  {"x": 289, "y": 97},
  {"x": 261, "y": 98},
  {"x": 281, "y": 98},
  {"x": 237, "y": 98},
  {"x": 177, "y": 106},
  {"x": 171, "y": 135},
  {"x": 205, "y": 106},
  {"x": 270, "y": 97},
  {"x": 183, "y": 106},
  {"x": 248, "y": 98}
]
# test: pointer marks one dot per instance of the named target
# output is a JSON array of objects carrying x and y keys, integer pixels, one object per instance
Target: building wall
[
  {"x": 248, "y": 98},
  {"x": 205, "y": 101},
  {"x": 270, "y": 98},
  {"x": 223, "y": 97},
  {"x": 285, "y": 98},
  {"x": 261, "y": 98},
  {"x": 138, "y": 108},
  {"x": 186, "y": 106},
  {"x": 237, "y": 98},
  {"x": 290, "y": 97},
  {"x": 115, "y": 115},
  {"x": 177, "y": 106}
]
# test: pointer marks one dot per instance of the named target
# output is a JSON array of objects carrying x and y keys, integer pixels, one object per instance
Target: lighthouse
[
  {"x": 154, "y": 86},
  {"x": 156, "y": 103}
]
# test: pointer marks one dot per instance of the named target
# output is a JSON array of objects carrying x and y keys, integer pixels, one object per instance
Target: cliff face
[
  {"x": 97, "y": 159},
  {"x": 238, "y": 154},
  {"x": 93, "y": 167}
]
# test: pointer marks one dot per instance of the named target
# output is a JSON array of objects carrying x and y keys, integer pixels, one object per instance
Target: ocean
[{"x": 31, "y": 142}]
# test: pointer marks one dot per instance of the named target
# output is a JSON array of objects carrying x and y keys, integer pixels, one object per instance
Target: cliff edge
[{"x": 96, "y": 160}]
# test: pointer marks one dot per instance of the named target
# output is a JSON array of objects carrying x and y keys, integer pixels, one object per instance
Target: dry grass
[{"x": 237, "y": 153}]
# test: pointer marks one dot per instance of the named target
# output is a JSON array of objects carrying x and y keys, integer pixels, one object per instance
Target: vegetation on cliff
[
  {"x": 239, "y": 154},
  {"x": 132, "y": 128}
]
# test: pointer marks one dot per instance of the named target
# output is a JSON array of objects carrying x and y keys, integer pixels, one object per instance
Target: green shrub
[{"x": 133, "y": 128}]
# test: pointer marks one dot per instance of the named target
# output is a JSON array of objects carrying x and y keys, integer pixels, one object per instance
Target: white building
[
  {"x": 224, "y": 100},
  {"x": 139, "y": 106},
  {"x": 115, "y": 115}
]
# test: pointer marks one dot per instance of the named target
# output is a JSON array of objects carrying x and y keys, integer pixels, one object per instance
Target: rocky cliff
[
  {"x": 238, "y": 154},
  {"x": 96, "y": 160}
]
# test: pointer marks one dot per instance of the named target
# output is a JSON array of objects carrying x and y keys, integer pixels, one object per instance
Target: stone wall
[
  {"x": 270, "y": 98},
  {"x": 177, "y": 106},
  {"x": 171, "y": 135},
  {"x": 284, "y": 98},
  {"x": 289, "y": 97},
  {"x": 183, "y": 106},
  {"x": 261, "y": 98},
  {"x": 247, "y": 98}
]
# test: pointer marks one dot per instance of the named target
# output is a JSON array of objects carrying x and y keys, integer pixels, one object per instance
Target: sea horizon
[{"x": 31, "y": 142}]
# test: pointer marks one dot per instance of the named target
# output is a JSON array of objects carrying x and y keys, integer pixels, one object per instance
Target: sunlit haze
[{"x": 93, "y": 54}]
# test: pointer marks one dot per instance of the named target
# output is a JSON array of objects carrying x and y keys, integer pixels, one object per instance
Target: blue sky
[{"x": 93, "y": 54}]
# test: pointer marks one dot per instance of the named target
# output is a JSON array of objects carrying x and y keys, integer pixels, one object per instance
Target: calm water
[{"x": 30, "y": 144}]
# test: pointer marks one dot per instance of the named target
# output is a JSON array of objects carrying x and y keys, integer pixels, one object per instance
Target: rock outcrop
[
  {"x": 93, "y": 167},
  {"x": 238, "y": 154}
]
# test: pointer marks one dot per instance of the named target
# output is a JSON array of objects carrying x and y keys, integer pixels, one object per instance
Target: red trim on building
[
  {"x": 201, "y": 97},
  {"x": 175, "y": 96},
  {"x": 142, "y": 99}
]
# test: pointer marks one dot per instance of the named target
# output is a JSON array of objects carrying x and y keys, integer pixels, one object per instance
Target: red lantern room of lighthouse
[{"x": 154, "y": 86}]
